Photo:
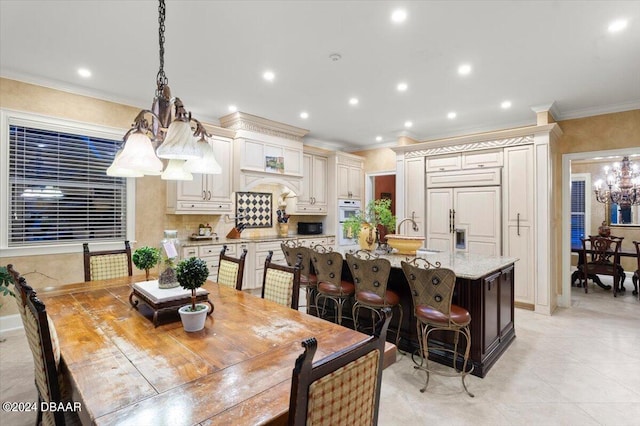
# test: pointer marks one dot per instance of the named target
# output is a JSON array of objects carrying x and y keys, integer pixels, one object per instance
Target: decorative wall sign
[
  {"x": 274, "y": 164},
  {"x": 256, "y": 209}
]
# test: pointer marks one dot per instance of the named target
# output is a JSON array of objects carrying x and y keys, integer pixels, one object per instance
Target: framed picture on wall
[{"x": 274, "y": 164}]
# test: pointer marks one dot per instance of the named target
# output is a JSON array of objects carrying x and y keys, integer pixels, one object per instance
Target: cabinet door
[
  {"x": 518, "y": 190},
  {"x": 414, "y": 198},
  {"x": 506, "y": 301},
  {"x": 192, "y": 190},
  {"x": 476, "y": 221},
  {"x": 320, "y": 167},
  {"x": 441, "y": 163},
  {"x": 519, "y": 243},
  {"x": 307, "y": 165},
  {"x": 355, "y": 182},
  {"x": 220, "y": 185},
  {"x": 491, "y": 299},
  {"x": 343, "y": 182},
  {"x": 439, "y": 206},
  {"x": 480, "y": 159}
]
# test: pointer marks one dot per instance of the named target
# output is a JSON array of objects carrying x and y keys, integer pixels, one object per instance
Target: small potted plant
[
  {"x": 364, "y": 224},
  {"x": 146, "y": 258},
  {"x": 191, "y": 275}
]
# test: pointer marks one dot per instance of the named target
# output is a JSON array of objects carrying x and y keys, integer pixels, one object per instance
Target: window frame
[{"x": 18, "y": 118}]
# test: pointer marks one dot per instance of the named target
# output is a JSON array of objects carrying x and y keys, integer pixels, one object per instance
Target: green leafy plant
[
  {"x": 5, "y": 281},
  {"x": 377, "y": 212},
  {"x": 146, "y": 258},
  {"x": 192, "y": 274}
]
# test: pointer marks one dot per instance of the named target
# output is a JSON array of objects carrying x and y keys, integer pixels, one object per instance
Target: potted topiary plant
[
  {"x": 146, "y": 258},
  {"x": 192, "y": 274},
  {"x": 364, "y": 224}
]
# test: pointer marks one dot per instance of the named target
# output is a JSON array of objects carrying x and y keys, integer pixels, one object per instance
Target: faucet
[{"x": 415, "y": 225}]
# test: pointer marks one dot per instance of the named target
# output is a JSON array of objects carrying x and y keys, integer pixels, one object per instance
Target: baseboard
[
  {"x": 523, "y": 305},
  {"x": 10, "y": 322}
]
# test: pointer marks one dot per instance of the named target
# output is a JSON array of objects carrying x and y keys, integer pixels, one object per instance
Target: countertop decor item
[
  {"x": 192, "y": 273},
  {"x": 377, "y": 212},
  {"x": 146, "y": 258},
  {"x": 169, "y": 249}
]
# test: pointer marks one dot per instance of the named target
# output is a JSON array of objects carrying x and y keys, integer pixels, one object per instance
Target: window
[
  {"x": 57, "y": 185},
  {"x": 580, "y": 211}
]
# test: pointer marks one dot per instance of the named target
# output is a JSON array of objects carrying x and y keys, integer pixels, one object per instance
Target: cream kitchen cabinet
[
  {"x": 313, "y": 199},
  {"x": 464, "y": 219},
  {"x": 205, "y": 194},
  {"x": 210, "y": 253},
  {"x": 414, "y": 170},
  {"x": 350, "y": 179},
  {"x": 464, "y": 161},
  {"x": 518, "y": 214},
  {"x": 260, "y": 253}
]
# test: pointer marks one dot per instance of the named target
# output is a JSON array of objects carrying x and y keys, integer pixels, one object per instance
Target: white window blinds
[
  {"x": 59, "y": 189},
  {"x": 578, "y": 209}
]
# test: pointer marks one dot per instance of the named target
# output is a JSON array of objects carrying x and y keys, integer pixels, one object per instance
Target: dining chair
[
  {"x": 308, "y": 280},
  {"x": 432, "y": 291},
  {"x": 328, "y": 266},
  {"x": 106, "y": 264},
  {"x": 280, "y": 283},
  {"x": 52, "y": 384},
  {"x": 604, "y": 260},
  {"x": 231, "y": 269},
  {"x": 636, "y": 274},
  {"x": 370, "y": 278},
  {"x": 342, "y": 388}
]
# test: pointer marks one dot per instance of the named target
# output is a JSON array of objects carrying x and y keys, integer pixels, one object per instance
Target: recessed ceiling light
[
  {"x": 617, "y": 25},
  {"x": 464, "y": 69},
  {"x": 353, "y": 101},
  {"x": 408, "y": 124},
  {"x": 399, "y": 15},
  {"x": 451, "y": 115},
  {"x": 83, "y": 72},
  {"x": 233, "y": 108},
  {"x": 402, "y": 87},
  {"x": 378, "y": 138},
  {"x": 505, "y": 105},
  {"x": 304, "y": 114},
  {"x": 269, "y": 75}
]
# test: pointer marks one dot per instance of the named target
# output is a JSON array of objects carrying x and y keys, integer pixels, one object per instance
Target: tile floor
[{"x": 580, "y": 366}]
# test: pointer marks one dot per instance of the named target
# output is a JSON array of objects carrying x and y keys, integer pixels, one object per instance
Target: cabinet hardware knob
[{"x": 480, "y": 165}]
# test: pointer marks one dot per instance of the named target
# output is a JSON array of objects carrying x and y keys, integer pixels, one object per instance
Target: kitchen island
[{"x": 484, "y": 286}]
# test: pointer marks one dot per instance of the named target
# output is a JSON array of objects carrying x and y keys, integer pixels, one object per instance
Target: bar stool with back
[
  {"x": 432, "y": 292},
  {"x": 328, "y": 266}
]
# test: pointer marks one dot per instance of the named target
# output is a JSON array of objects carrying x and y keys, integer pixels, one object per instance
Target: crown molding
[{"x": 252, "y": 123}]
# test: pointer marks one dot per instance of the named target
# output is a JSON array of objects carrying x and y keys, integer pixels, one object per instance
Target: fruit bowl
[{"x": 405, "y": 244}]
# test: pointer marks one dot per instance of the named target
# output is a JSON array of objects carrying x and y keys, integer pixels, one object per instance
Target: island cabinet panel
[{"x": 491, "y": 298}]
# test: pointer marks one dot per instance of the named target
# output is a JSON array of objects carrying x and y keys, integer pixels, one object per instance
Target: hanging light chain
[{"x": 161, "y": 78}]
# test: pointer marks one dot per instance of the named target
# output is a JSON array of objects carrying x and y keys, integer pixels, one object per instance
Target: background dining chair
[
  {"x": 370, "y": 278},
  {"x": 52, "y": 385},
  {"x": 343, "y": 388},
  {"x": 308, "y": 280},
  {"x": 230, "y": 269},
  {"x": 432, "y": 292},
  {"x": 280, "y": 283},
  {"x": 106, "y": 264},
  {"x": 636, "y": 274},
  {"x": 331, "y": 286},
  {"x": 604, "y": 260}
]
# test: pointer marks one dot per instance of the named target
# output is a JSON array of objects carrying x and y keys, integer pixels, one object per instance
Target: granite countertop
[
  {"x": 465, "y": 265},
  {"x": 257, "y": 239}
]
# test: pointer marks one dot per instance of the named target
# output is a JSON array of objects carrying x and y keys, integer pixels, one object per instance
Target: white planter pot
[{"x": 193, "y": 321}]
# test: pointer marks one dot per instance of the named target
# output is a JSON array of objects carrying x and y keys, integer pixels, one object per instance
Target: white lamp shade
[
  {"x": 175, "y": 171},
  {"x": 207, "y": 163},
  {"x": 138, "y": 156},
  {"x": 179, "y": 143},
  {"x": 117, "y": 171}
]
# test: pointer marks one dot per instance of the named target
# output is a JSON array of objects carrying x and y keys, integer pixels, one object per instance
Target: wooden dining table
[{"x": 236, "y": 371}]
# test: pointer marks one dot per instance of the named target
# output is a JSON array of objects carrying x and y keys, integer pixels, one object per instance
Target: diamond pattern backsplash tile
[{"x": 256, "y": 207}]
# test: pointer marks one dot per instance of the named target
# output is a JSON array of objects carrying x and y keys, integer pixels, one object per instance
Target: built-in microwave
[{"x": 309, "y": 228}]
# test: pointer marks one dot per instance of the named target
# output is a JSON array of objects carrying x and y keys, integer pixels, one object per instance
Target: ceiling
[{"x": 532, "y": 53}]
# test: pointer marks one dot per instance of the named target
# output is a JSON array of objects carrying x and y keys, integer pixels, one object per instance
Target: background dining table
[{"x": 237, "y": 370}]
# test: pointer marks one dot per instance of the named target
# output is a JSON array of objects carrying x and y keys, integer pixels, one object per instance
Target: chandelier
[
  {"x": 622, "y": 185},
  {"x": 185, "y": 147}
]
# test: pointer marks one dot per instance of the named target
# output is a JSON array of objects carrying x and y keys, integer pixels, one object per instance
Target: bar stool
[
  {"x": 432, "y": 291},
  {"x": 328, "y": 266},
  {"x": 370, "y": 277}
]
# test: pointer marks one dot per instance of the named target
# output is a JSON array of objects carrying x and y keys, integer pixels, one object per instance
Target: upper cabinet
[
  {"x": 265, "y": 152},
  {"x": 350, "y": 177},
  {"x": 205, "y": 194},
  {"x": 313, "y": 198},
  {"x": 464, "y": 161}
]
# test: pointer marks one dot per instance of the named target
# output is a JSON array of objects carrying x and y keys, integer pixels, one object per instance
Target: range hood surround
[{"x": 256, "y": 140}]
